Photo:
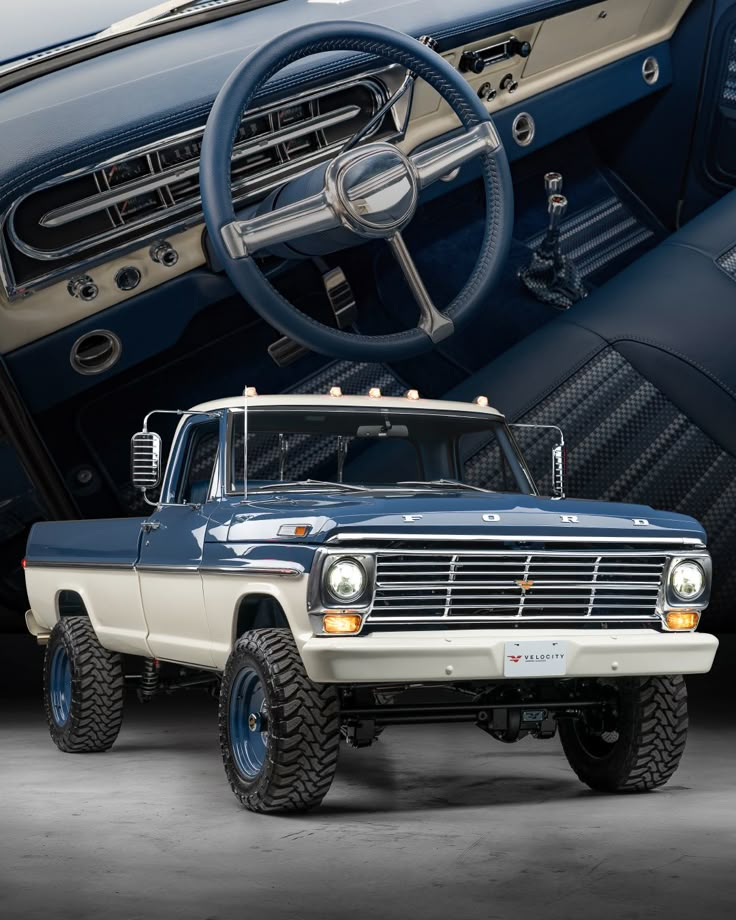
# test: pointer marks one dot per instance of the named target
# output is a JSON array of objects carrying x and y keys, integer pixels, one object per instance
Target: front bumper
[{"x": 479, "y": 655}]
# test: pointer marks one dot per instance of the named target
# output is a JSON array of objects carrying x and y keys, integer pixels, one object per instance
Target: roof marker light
[
  {"x": 251, "y": 391},
  {"x": 412, "y": 394},
  {"x": 335, "y": 391},
  {"x": 481, "y": 400},
  {"x": 374, "y": 392}
]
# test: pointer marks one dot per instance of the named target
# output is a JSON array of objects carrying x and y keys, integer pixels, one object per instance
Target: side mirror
[
  {"x": 559, "y": 471},
  {"x": 536, "y": 450},
  {"x": 145, "y": 460}
]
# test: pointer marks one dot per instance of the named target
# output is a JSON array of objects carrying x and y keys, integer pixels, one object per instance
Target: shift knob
[
  {"x": 552, "y": 183},
  {"x": 556, "y": 208}
]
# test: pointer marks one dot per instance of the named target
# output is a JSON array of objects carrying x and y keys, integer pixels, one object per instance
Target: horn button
[{"x": 374, "y": 190}]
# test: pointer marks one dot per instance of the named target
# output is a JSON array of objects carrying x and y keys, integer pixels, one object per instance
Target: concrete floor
[{"x": 434, "y": 822}]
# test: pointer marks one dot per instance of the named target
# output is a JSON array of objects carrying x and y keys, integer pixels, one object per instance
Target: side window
[{"x": 199, "y": 462}]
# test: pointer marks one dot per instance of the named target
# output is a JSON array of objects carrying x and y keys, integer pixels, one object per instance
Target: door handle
[{"x": 148, "y": 526}]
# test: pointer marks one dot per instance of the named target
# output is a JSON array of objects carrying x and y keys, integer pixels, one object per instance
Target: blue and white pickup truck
[{"x": 327, "y": 600}]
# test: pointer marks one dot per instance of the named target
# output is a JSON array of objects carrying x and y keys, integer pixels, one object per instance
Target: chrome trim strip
[
  {"x": 291, "y": 570},
  {"x": 152, "y": 567},
  {"x": 58, "y": 564},
  {"x": 380, "y": 81},
  {"x": 278, "y": 571},
  {"x": 450, "y": 538},
  {"x": 95, "y": 203}
]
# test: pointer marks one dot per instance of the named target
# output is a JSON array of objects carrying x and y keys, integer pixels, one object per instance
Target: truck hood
[{"x": 453, "y": 514}]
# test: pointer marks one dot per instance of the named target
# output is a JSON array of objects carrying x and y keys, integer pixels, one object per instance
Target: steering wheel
[{"x": 369, "y": 191}]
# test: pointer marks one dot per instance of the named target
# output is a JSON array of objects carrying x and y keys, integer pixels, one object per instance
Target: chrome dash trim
[
  {"x": 186, "y": 214},
  {"x": 95, "y": 203}
]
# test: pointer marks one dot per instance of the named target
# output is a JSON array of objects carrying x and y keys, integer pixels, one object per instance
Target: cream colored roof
[{"x": 346, "y": 402}]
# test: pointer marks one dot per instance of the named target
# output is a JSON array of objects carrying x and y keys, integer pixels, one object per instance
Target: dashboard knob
[
  {"x": 523, "y": 49},
  {"x": 164, "y": 253},
  {"x": 83, "y": 287},
  {"x": 472, "y": 61},
  {"x": 509, "y": 83},
  {"x": 128, "y": 278}
]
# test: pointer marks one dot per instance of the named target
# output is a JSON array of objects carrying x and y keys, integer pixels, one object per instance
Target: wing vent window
[{"x": 157, "y": 189}]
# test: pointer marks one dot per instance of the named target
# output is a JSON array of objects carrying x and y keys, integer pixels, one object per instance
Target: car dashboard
[{"x": 112, "y": 207}]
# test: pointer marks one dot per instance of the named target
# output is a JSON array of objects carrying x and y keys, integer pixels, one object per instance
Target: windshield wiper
[
  {"x": 307, "y": 483},
  {"x": 441, "y": 483}
]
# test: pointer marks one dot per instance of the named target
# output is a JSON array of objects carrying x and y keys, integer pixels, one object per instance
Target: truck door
[{"x": 171, "y": 550}]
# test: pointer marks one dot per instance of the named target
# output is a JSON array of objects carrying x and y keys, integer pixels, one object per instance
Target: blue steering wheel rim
[
  {"x": 60, "y": 686},
  {"x": 247, "y": 725},
  {"x": 222, "y": 125}
]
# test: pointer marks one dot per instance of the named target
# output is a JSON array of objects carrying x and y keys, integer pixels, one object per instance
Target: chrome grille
[{"x": 546, "y": 585}]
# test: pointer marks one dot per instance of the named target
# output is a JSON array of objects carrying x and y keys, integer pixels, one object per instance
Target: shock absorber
[{"x": 150, "y": 680}]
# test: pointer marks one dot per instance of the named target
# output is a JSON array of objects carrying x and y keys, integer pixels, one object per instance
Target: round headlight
[
  {"x": 687, "y": 580},
  {"x": 346, "y": 579}
]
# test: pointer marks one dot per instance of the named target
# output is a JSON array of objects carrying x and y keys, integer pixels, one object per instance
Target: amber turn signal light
[
  {"x": 294, "y": 530},
  {"x": 342, "y": 622},
  {"x": 682, "y": 619}
]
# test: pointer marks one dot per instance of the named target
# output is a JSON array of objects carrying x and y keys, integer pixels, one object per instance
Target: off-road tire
[
  {"x": 303, "y": 726},
  {"x": 98, "y": 685},
  {"x": 652, "y": 731}
]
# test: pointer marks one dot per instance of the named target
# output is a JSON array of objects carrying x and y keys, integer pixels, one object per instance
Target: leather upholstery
[{"x": 641, "y": 378}]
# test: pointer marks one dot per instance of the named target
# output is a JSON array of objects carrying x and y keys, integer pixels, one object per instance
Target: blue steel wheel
[
  {"x": 248, "y": 723},
  {"x": 83, "y": 688},
  {"x": 60, "y": 686},
  {"x": 279, "y": 731}
]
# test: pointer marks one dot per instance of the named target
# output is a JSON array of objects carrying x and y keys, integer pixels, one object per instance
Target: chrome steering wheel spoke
[
  {"x": 242, "y": 238},
  {"x": 443, "y": 159},
  {"x": 431, "y": 320}
]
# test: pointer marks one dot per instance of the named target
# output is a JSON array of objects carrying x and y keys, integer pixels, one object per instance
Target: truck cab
[{"x": 335, "y": 564}]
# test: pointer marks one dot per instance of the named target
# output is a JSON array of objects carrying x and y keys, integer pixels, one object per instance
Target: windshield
[
  {"x": 46, "y": 26},
  {"x": 328, "y": 450}
]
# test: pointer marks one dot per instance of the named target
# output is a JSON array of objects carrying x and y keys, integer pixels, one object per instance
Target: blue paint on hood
[{"x": 455, "y": 513}]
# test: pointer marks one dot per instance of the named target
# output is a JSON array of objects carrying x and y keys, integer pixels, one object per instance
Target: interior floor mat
[{"x": 600, "y": 235}]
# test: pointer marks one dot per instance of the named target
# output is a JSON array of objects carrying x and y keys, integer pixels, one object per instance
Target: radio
[{"x": 476, "y": 61}]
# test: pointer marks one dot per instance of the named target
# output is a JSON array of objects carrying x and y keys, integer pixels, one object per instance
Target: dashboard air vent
[
  {"x": 523, "y": 129},
  {"x": 95, "y": 352}
]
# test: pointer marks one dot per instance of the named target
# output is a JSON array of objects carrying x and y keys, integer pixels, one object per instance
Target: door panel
[{"x": 171, "y": 585}]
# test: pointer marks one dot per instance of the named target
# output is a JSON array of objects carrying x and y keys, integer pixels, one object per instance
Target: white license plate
[{"x": 547, "y": 658}]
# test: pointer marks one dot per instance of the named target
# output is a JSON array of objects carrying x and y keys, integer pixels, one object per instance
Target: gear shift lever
[
  {"x": 556, "y": 208},
  {"x": 553, "y": 183},
  {"x": 551, "y": 276}
]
